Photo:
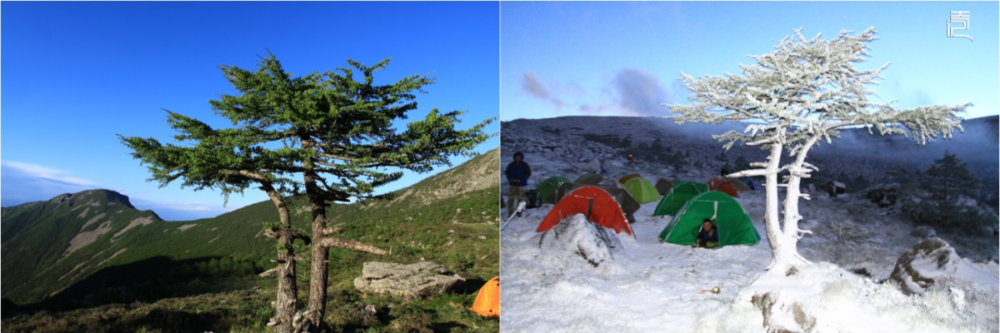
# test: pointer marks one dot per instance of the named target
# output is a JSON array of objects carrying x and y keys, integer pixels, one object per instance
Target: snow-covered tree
[{"x": 804, "y": 91}]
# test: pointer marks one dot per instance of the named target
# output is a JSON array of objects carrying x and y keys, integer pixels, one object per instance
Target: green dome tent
[
  {"x": 642, "y": 190},
  {"x": 627, "y": 178},
  {"x": 734, "y": 225},
  {"x": 678, "y": 195},
  {"x": 547, "y": 188}
]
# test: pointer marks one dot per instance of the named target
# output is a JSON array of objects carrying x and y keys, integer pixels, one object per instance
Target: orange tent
[
  {"x": 723, "y": 184},
  {"x": 488, "y": 301},
  {"x": 604, "y": 210}
]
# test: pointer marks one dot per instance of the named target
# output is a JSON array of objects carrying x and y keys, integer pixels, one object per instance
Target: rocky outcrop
[
  {"x": 884, "y": 195},
  {"x": 417, "y": 280},
  {"x": 576, "y": 235},
  {"x": 931, "y": 259},
  {"x": 782, "y": 314}
]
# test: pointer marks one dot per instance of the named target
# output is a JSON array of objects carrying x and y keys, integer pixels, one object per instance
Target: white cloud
[
  {"x": 184, "y": 206},
  {"x": 42, "y": 172}
]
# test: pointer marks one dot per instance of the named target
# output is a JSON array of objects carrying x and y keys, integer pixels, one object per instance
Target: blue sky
[
  {"x": 625, "y": 58},
  {"x": 74, "y": 74}
]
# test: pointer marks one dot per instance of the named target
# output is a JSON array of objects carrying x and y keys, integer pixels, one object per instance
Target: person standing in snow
[
  {"x": 517, "y": 174},
  {"x": 708, "y": 235}
]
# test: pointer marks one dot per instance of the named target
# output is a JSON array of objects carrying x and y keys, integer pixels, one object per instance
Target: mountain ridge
[{"x": 51, "y": 245}]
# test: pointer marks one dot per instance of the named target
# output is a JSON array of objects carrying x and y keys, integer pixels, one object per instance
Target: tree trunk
[
  {"x": 789, "y": 256},
  {"x": 313, "y": 318},
  {"x": 774, "y": 235},
  {"x": 285, "y": 304}
]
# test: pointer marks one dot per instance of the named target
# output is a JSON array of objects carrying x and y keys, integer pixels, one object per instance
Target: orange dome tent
[
  {"x": 723, "y": 184},
  {"x": 487, "y": 303},
  {"x": 603, "y": 210}
]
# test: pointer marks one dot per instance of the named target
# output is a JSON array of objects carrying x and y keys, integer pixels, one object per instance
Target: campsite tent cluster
[{"x": 689, "y": 203}]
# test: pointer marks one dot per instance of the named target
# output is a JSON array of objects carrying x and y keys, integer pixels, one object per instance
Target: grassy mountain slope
[
  {"x": 450, "y": 218},
  {"x": 51, "y": 244}
]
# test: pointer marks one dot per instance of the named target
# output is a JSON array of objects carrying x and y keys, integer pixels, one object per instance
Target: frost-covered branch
[{"x": 804, "y": 91}]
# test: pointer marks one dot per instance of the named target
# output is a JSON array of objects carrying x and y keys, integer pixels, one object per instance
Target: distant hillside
[
  {"x": 75, "y": 245},
  {"x": 48, "y": 245},
  {"x": 477, "y": 174},
  {"x": 690, "y": 150}
]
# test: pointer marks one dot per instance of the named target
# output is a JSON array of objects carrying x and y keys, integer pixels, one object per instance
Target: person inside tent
[
  {"x": 708, "y": 235},
  {"x": 517, "y": 173}
]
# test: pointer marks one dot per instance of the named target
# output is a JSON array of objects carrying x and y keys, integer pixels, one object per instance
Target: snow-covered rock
[
  {"x": 576, "y": 235},
  {"x": 593, "y": 166},
  {"x": 825, "y": 298},
  {"x": 783, "y": 314},
  {"x": 931, "y": 259}
]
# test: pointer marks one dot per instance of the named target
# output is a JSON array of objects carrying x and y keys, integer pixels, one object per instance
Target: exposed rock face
[
  {"x": 783, "y": 315},
  {"x": 84, "y": 238},
  {"x": 576, "y": 235},
  {"x": 593, "y": 166},
  {"x": 884, "y": 195},
  {"x": 417, "y": 280},
  {"x": 931, "y": 259},
  {"x": 140, "y": 221}
]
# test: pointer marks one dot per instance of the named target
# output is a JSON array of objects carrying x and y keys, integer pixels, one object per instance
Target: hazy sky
[
  {"x": 76, "y": 73},
  {"x": 615, "y": 58}
]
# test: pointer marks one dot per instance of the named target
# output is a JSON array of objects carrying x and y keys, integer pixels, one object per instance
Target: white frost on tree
[{"x": 804, "y": 91}]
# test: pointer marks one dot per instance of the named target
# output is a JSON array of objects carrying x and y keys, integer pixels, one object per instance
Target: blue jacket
[
  {"x": 703, "y": 235},
  {"x": 518, "y": 173}
]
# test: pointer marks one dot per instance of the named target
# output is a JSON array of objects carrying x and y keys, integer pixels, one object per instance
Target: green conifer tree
[{"x": 325, "y": 135}]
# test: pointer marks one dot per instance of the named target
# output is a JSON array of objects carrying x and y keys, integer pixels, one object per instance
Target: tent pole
[{"x": 590, "y": 205}]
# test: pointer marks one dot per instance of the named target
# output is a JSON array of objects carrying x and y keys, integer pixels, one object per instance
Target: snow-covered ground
[{"x": 650, "y": 286}]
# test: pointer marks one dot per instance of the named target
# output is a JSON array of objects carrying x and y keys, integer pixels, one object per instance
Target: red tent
[
  {"x": 604, "y": 210},
  {"x": 723, "y": 184}
]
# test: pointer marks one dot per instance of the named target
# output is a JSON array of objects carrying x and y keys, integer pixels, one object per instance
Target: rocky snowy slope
[
  {"x": 689, "y": 149},
  {"x": 651, "y": 286},
  {"x": 572, "y": 146}
]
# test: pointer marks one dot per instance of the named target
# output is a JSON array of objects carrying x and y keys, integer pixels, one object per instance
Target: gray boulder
[
  {"x": 576, "y": 235},
  {"x": 884, "y": 195},
  {"x": 593, "y": 166},
  {"x": 930, "y": 260},
  {"x": 417, "y": 280},
  {"x": 923, "y": 232}
]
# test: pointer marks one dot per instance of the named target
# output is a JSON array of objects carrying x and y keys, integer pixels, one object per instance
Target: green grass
[
  {"x": 248, "y": 309},
  {"x": 204, "y": 278}
]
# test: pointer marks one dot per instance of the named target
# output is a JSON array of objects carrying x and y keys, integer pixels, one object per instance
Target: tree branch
[
  {"x": 268, "y": 272},
  {"x": 333, "y": 230},
  {"x": 748, "y": 173},
  {"x": 276, "y": 232},
  {"x": 245, "y": 173},
  {"x": 329, "y": 242}
]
